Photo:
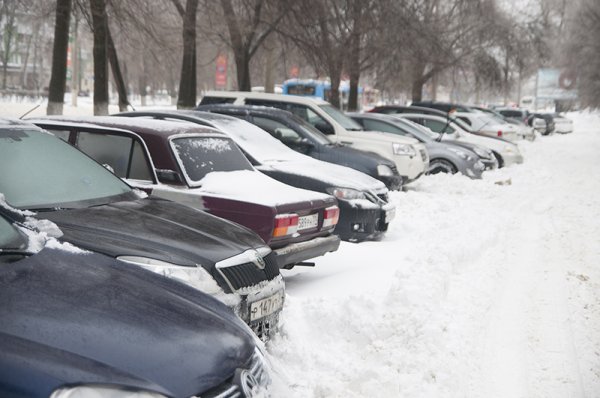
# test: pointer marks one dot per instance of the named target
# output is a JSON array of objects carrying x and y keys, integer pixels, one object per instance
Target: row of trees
[{"x": 398, "y": 45}]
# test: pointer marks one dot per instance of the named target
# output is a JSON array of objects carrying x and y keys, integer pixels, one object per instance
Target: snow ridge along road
[{"x": 478, "y": 289}]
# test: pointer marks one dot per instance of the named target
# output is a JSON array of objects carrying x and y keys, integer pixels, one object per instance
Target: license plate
[
  {"x": 390, "y": 214},
  {"x": 306, "y": 222},
  {"x": 262, "y": 308}
]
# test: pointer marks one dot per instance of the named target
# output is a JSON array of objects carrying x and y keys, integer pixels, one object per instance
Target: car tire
[
  {"x": 499, "y": 159},
  {"x": 441, "y": 166}
]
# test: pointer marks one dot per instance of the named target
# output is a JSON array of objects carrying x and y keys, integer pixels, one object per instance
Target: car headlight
[
  {"x": 482, "y": 153},
  {"x": 384, "y": 170},
  {"x": 196, "y": 277},
  {"x": 461, "y": 154},
  {"x": 99, "y": 391},
  {"x": 346, "y": 193},
  {"x": 403, "y": 149}
]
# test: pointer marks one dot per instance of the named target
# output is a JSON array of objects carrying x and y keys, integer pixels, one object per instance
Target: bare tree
[
  {"x": 56, "y": 93},
  {"x": 187, "y": 82},
  {"x": 100, "y": 31},
  {"x": 8, "y": 12}
]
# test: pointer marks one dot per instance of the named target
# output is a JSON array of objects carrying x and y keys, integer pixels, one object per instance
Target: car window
[
  {"x": 437, "y": 126},
  {"x": 277, "y": 129},
  {"x": 125, "y": 155},
  {"x": 345, "y": 121},
  {"x": 216, "y": 100},
  {"x": 41, "y": 171},
  {"x": 309, "y": 116},
  {"x": 9, "y": 237},
  {"x": 199, "y": 156},
  {"x": 62, "y": 134},
  {"x": 376, "y": 125}
]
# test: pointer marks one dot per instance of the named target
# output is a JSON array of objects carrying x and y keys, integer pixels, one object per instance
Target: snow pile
[{"x": 478, "y": 289}]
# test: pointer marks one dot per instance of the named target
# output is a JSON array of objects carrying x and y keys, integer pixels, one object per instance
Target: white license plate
[
  {"x": 262, "y": 308},
  {"x": 306, "y": 222},
  {"x": 390, "y": 214}
]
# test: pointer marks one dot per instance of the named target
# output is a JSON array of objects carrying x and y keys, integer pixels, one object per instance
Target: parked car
[
  {"x": 203, "y": 168},
  {"x": 447, "y": 107},
  {"x": 488, "y": 125},
  {"x": 562, "y": 124},
  {"x": 549, "y": 119},
  {"x": 506, "y": 152},
  {"x": 523, "y": 129},
  {"x": 97, "y": 211},
  {"x": 365, "y": 211},
  {"x": 444, "y": 157},
  {"x": 409, "y": 155},
  {"x": 80, "y": 324},
  {"x": 299, "y": 135}
]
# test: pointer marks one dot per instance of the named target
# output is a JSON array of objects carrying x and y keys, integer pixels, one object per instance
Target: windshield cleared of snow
[{"x": 342, "y": 119}]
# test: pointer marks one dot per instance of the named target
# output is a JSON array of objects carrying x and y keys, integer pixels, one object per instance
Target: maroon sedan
[{"x": 203, "y": 168}]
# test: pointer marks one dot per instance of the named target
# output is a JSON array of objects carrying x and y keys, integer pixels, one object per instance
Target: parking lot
[{"x": 481, "y": 288}]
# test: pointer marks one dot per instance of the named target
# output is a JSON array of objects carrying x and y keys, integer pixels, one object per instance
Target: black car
[
  {"x": 302, "y": 137},
  {"x": 97, "y": 211},
  {"x": 80, "y": 324},
  {"x": 394, "y": 109},
  {"x": 365, "y": 211},
  {"x": 447, "y": 107},
  {"x": 548, "y": 118}
]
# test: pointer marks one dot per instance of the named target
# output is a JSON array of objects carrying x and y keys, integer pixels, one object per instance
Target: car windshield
[
  {"x": 199, "y": 156},
  {"x": 342, "y": 119},
  {"x": 421, "y": 132},
  {"x": 10, "y": 239},
  {"x": 308, "y": 129},
  {"x": 40, "y": 171},
  {"x": 480, "y": 121}
]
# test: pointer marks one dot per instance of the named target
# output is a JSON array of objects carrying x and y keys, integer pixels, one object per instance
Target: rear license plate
[
  {"x": 265, "y": 307},
  {"x": 306, "y": 222}
]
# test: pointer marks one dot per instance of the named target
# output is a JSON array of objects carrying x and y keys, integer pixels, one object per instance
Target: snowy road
[{"x": 478, "y": 289}]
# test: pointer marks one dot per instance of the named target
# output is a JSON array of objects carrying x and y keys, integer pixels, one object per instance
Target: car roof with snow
[{"x": 264, "y": 96}]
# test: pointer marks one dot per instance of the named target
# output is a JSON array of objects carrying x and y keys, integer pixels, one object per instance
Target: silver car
[{"x": 445, "y": 157}]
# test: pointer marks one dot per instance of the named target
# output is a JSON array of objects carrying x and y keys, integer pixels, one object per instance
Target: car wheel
[
  {"x": 499, "y": 159},
  {"x": 441, "y": 166}
]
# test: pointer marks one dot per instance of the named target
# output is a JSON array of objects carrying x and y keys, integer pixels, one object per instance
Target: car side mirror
[
  {"x": 108, "y": 167},
  {"x": 325, "y": 128},
  {"x": 168, "y": 176}
]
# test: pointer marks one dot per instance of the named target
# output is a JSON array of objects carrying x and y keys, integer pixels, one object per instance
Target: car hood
[
  {"x": 331, "y": 175},
  {"x": 86, "y": 318},
  {"x": 154, "y": 228},
  {"x": 370, "y": 160}
]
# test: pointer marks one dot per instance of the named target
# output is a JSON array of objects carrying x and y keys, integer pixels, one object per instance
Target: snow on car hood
[{"x": 254, "y": 187}]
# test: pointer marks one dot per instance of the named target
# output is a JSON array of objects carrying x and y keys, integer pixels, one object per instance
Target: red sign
[
  {"x": 221, "y": 72},
  {"x": 294, "y": 72}
]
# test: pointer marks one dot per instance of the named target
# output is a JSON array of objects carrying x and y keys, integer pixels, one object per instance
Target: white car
[
  {"x": 562, "y": 124},
  {"x": 409, "y": 155},
  {"x": 488, "y": 125},
  {"x": 506, "y": 152}
]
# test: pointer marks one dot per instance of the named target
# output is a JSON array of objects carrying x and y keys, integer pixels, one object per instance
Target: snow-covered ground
[{"x": 478, "y": 289}]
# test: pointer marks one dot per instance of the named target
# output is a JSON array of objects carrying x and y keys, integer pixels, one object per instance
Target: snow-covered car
[
  {"x": 203, "y": 168},
  {"x": 365, "y": 211},
  {"x": 302, "y": 137},
  {"x": 80, "y": 324},
  {"x": 97, "y": 211},
  {"x": 488, "y": 125},
  {"x": 524, "y": 130},
  {"x": 410, "y": 156},
  {"x": 444, "y": 157},
  {"x": 562, "y": 124},
  {"x": 506, "y": 152}
]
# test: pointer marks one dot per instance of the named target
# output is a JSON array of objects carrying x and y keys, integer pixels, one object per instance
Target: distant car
[
  {"x": 562, "y": 124},
  {"x": 80, "y": 324},
  {"x": 203, "y": 168},
  {"x": 549, "y": 119},
  {"x": 365, "y": 210},
  {"x": 97, "y": 211},
  {"x": 444, "y": 156},
  {"x": 488, "y": 125},
  {"x": 302, "y": 137},
  {"x": 409, "y": 155},
  {"x": 447, "y": 107},
  {"x": 506, "y": 152},
  {"x": 523, "y": 129}
]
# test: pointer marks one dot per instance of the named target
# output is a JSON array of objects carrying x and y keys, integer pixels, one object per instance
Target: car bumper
[
  {"x": 295, "y": 253},
  {"x": 271, "y": 294},
  {"x": 512, "y": 158},
  {"x": 358, "y": 224},
  {"x": 489, "y": 164}
]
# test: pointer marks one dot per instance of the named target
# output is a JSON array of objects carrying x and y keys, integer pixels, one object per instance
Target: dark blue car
[{"x": 79, "y": 324}]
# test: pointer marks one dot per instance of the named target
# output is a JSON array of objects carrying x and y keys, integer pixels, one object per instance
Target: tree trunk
[
  {"x": 270, "y": 67},
  {"x": 116, "y": 72},
  {"x": 187, "y": 82},
  {"x": 58, "y": 77},
  {"x": 100, "y": 26},
  {"x": 417, "y": 89},
  {"x": 242, "y": 69},
  {"x": 75, "y": 61},
  {"x": 335, "y": 77},
  {"x": 355, "y": 56}
]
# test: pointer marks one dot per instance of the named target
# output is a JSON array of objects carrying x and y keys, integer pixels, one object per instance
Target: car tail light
[
  {"x": 285, "y": 224},
  {"x": 331, "y": 215},
  {"x": 499, "y": 133}
]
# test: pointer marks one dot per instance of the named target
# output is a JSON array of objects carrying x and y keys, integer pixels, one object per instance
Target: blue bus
[{"x": 318, "y": 89}]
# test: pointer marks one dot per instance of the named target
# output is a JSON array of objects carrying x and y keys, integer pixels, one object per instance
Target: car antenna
[
  {"x": 132, "y": 107},
  {"x": 31, "y": 110}
]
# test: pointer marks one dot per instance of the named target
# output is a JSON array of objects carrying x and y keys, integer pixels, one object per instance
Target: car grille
[
  {"x": 423, "y": 154},
  {"x": 383, "y": 196},
  {"x": 394, "y": 169},
  {"x": 230, "y": 389},
  {"x": 248, "y": 274}
]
